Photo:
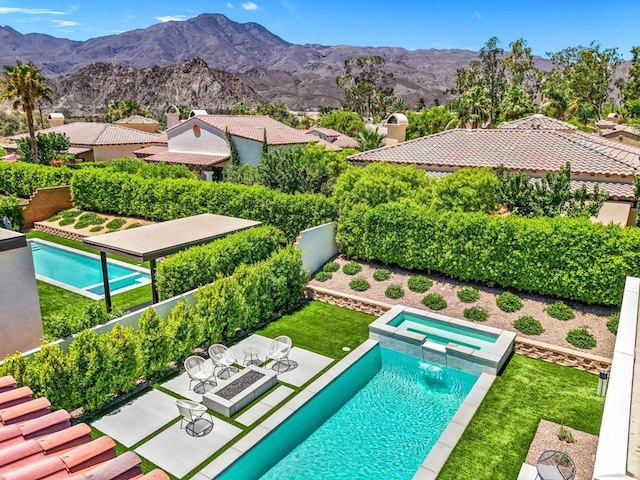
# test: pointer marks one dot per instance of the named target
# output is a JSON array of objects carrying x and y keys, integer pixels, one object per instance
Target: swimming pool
[
  {"x": 81, "y": 272},
  {"x": 377, "y": 420}
]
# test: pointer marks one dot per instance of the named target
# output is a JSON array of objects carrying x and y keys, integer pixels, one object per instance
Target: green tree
[
  {"x": 494, "y": 80},
  {"x": 122, "y": 358},
  {"x": 90, "y": 380},
  {"x": 630, "y": 90},
  {"x": 475, "y": 106},
  {"x": 23, "y": 84},
  {"x": 16, "y": 366},
  {"x": 278, "y": 111},
  {"x": 186, "y": 330},
  {"x": 119, "y": 109},
  {"x": 50, "y": 146},
  {"x": 235, "y": 155},
  {"x": 517, "y": 103},
  {"x": 348, "y": 123},
  {"x": 557, "y": 100},
  {"x": 290, "y": 170},
  {"x": 154, "y": 345},
  {"x": 430, "y": 121},
  {"x": 466, "y": 190},
  {"x": 48, "y": 374},
  {"x": 369, "y": 139},
  {"x": 399, "y": 105},
  {"x": 521, "y": 69},
  {"x": 367, "y": 86}
]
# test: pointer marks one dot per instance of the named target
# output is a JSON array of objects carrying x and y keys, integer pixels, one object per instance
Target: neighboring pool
[
  {"x": 377, "y": 420},
  {"x": 444, "y": 333},
  {"x": 81, "y": 272}
]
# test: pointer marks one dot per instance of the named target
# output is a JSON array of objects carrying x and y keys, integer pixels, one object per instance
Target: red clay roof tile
[
  {"x": 15, "y": 397},
  {"x": 89, "y": 454},
  {"x": 19, "y": 455},
  {"x": 52, "y": 468},
  {"x": 123, "y": 467},
  {"x": 46, "y": 424},
  {"x": 25, "y": 411},
  {"x": 7, "y": 383},
  {"x": 65, "y": 439}
]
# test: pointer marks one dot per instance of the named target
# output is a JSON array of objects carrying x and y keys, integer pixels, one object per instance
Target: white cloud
[
  {"x": 476, "y": 15},
  {"x": 29, "y": 11},
  {"x": 250, "y": 6},
  {"x": 171, "y": 18},
  {"x": 64, "y": 23},
  {"x": 229, "y": 5}
]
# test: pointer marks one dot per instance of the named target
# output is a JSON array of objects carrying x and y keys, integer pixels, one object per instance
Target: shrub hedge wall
[
  {"x": 10, "y": 207},
  {"x": 97, "y": 368},
  {"x": 22, "y": 179},
  {"x": 155, "y": 199},
  {"x": 565, "y": 257},
  {"x": 200, "y": 265}
]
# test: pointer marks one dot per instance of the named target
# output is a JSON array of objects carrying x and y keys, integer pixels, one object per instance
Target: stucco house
[
  {"x": 535, "y": 145},
  {"x": 95, "y": 141},
  {"x": 138, "y": 122},
  {"x": 200, "y": 141},
  {"x": 332, "y": 136}
]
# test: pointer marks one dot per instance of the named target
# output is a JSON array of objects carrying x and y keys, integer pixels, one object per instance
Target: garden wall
[
  {"x": 46, "y": 202},
  {"x": 318, "y": 245}
]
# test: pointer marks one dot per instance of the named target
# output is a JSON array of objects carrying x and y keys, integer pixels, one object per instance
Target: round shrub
[
  {"x": 87, "y": 219},
  {"x": 468, "y": 294},
  {"x": 394, "y": 291},
  {"x": 67, "y": 221},
  {"x": 612, "y": 323},
  {"x": 134, "y": 225},
  {"x": 323, "y": 276},
  {"x": 381, "y": 274},
  {"x": 116, "y": 223},
  {"x": 560, "y": 310},
  {"x": 359, "y": 284},
  {"x": 419, "y": 284},
  {"x": 581, "y": 338},
  {"x": 508, "y": 302},
  {"x": 351, "y": 268},
  {"x": 97, "y": 228},
  {"x": 477, "y": 314},
  {"x": 434, "y": 301},
  {"x": 331, "y": 267},
  {"x": 528, "y": 325}
]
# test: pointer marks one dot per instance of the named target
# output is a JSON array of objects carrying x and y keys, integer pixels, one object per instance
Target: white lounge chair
[
  {"x": 201, "y": 371},
  {"x": 223, "y": 358},
  {"x": 279, "y": 350},
  {"x": 192, "y": 413}
]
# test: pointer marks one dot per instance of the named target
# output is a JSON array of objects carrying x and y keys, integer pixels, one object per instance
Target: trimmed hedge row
[
  {"x": 155, "y": 199},
  {"x": 201, "y": 265},
  {"x": 22, "y": 179},
  {"x": 10, "y": 208},
  {"x": 565, "y": 257},
  {"x": 97, "y": 368}
]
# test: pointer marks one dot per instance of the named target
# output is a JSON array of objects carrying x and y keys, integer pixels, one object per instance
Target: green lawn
[{"x": 496, "y": 442}]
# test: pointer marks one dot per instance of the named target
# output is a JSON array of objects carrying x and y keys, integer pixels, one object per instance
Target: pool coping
[
  {"x": 85, "y": 292},
  {"x": 430, "y": 466}
]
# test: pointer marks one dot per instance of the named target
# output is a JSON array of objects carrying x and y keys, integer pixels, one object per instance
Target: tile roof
[
  {"x": 37, "y": 444},
  {"x": 332, "y": 136},
  {"x": 152, "y": 150},
  {"x": 538, "y": 122},
  {"x": 533, "y": 150},
  {"x": 137, "y": 120},
  {"x": 94, "y": 133},
  {"x": 621, "y": 128},
  {"x": 197, "y": 159}
]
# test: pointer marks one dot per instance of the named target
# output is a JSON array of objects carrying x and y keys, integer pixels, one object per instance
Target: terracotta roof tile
[
  {"x": 197, "y": 159},
  {"x": 94, "y": 133},
  {"x": 538, "y": 122},
  {"x": 137, "y": 120},
  {"x": 6, "y": 383},
  {"x": 15, "y": 397},
  {"x": 46, "y": 424},
  {"x": 333, "y": 137},
  {"x": 52, "y": 468},
  {"x": 85, "y": 456},
  {"x": 145, "y": 152},
  {"x": 616, "y": 129},
  {"x": 25, "y": 411}
]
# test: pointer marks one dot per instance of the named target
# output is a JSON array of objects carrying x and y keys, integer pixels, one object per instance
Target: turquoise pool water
[
  {"x": 444, "y": 333},
  {"x": 378, "y": 420},
  {"x": 81, "y": 273}
]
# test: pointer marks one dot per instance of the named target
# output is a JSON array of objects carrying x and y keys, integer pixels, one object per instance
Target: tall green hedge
[
  {"x": 22, "y": 178},
  {"x": 155, "y": 199},
  {"x": 565, "y": 257},
  {"x": 97, "y": 368},
  {"x": 200, "y": 265},
  {"x": 10, "y": 207}
]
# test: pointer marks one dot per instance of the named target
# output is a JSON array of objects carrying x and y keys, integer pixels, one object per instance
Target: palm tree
[
  {"x": 559, "y": 102},
  {"x": 478, "y": 105},
  {"x": 516, "y": 104},
  {"x": 24, "y": 85},
  {"x": 369, "y": 139},
  {"x": 118, "y": 109},
  {"x": 399, "y": 105}
]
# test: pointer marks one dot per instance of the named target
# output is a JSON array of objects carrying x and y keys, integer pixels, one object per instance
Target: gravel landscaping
[{"x": 555, "y": 331}]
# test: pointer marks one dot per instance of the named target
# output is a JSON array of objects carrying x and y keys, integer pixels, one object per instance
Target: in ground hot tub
[{"x": 459, "y": 344}]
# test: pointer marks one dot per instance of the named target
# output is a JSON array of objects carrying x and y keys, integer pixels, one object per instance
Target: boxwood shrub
[
  {"x": 476, "y": 314},
  {"x": 331, "y": 267},
  {"x": 394, "y": 291},
  {"x": 581, "y": 338},
  {"x": 468, "y": 294},
  {"x": 566, "y": 257},
  {"x": 381, "y": 274},
  {"x": 359, "y": 284},
  {"x": 612, "y": 323},
  {"x": 22, "y": 179},
  {"x": 528, "y": 325},
  {"x": 323, "y": 276},
  {"x": 419, "y": 284},
  {"x": 434, "y": 301},
  {"x": 351, "y": 268},
  {"x": 560, "y": 310},
  {"x": 508, "y": 302}
]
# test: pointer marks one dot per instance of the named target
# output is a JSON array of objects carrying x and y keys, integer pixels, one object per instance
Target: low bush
[
  {"x": 468, "y": 294},
  {"x": 528, "y": 326},
  {"x": 351, "y": 268},
  {"x": 67, "y": 221},
  {"x": 381, "y": 274},
  {"x": 323, "y": 276},
  {"x": 581, "y": 338},
  {"x": 434, "y": 301},
  {"x": 612, "y": 323},
  {"x": 116, "y": 223},
  {"x": 11, "y": 210},
  {"x": 565, "y": 435},
  {"x": 66, "y": 323},
  {"x": 419, "y": 284},
  {"x": 134, "y": 225},
  {"x": 560, "y": 310},
  {"x": 22, "y": 179},
  {"x": 97, "y": 228},
  {"x": 476, "y": 314},
  {"x": 359, "y": 284},
  {"x": 508, "y": 302},
  {"x": 87, "y": 219},
  {"x": 394, "y": 291},
  {"x": 331, "y": 267}
]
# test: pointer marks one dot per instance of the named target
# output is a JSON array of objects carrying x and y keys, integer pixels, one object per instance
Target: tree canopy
[{"x": 367, "y": 86}]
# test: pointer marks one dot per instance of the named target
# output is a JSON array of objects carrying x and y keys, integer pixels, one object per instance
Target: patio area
[{"x": 150, "y": 424}]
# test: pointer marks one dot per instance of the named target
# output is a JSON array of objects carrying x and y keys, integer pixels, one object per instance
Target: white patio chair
[
  {"x": 192, "y": 413},
  {"x": 223, "y": 358},
  {"x": 555, "y": 465},
  {"x": 279, "y": 350},
  {"x": 201, "y": 371}
]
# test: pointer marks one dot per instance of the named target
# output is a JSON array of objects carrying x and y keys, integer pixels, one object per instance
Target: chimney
[
  {"x": 55, "y": 119},
  {"x": 396, "y": 128},
  {"x": 195, "y": 113},
  {"x": 613, "y": 117},
  {"x": 173, "y": 116}
]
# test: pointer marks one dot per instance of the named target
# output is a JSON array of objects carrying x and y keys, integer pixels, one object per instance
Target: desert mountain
[{"x": 299, "y": 75}]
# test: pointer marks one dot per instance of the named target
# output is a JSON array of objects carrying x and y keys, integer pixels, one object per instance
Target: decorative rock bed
[{"x": 246, "y": 386}]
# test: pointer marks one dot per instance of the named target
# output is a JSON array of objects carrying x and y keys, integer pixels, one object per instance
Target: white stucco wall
[
  {"x": 250, "y": 151},
  {"x": 210, "y": 140},
  {"x": 318, "y": 245},
  {"x": 20, "y": 319}
]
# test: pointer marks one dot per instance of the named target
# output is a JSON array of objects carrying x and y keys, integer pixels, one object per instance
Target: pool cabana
[{"x": 161, "y": 239}]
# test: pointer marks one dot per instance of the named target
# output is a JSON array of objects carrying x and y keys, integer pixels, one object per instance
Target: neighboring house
[
  {"x": 335, "y": 138},
  {"x": 200, "y": 142},
  {"x": 138, "y": 122},
  {"x": 622, "y": 134},
  {"x": 535, "y": 145},
  {"x": 94, "y": 141}
]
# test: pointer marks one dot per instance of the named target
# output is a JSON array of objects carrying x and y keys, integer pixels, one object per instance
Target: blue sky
[{"x": 547, "y": 26}]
